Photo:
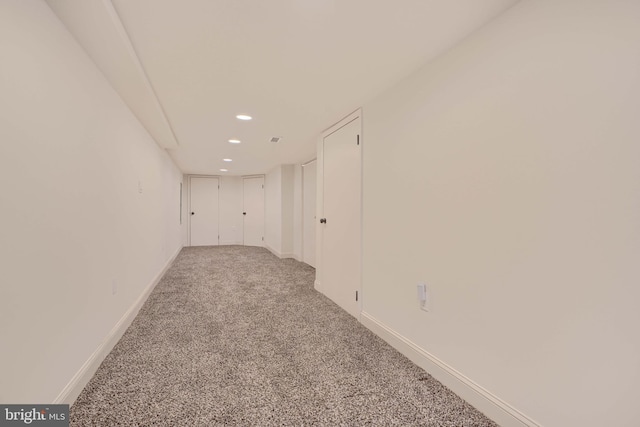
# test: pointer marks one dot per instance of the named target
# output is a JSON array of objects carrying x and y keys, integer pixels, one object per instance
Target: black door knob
[
  {"x": 244, "y": 213},
  {"x": 323, "y": 220},
  {"x": 193, "y": 213}
]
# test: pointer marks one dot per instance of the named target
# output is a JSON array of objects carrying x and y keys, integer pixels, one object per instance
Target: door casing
[{"x": 353, "y": 306}]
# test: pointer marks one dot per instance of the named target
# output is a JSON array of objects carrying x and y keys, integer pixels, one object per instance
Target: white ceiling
[{"x": 186, "y": 68}]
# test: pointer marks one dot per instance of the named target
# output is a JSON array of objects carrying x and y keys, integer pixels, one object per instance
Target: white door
[
  {"x": 203, "y": 215},
  {"x": 253, "y": 211},
  {"x": 341, "y": 229},
  {"x": 309, "y": 213}
]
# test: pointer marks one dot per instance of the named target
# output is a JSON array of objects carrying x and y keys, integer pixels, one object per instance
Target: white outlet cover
[
  {"x": 422, "y": 292},
  {"x": 424, "y": 296}
]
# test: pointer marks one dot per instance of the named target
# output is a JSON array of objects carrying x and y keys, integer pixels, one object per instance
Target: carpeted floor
[{"x": 233, "y": 335}]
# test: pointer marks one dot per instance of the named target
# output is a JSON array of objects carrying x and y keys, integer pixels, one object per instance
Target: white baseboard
[
  {"x": 277, "y": 253},
  {"x": 72, "y": 390},
  {"x": 483, "y": 400},
  {"x": 273, "y": 251},
  {"x": 317, "y": 287}
]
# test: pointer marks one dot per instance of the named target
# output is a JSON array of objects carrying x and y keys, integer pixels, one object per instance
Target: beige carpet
[{"x": 234, "y": 336}]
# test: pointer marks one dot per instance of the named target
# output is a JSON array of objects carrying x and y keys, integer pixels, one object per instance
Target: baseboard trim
[
  {"x": 483, "y": 400},
  {"x": 316, "y": 286},
  {"x": 278, "y": 254},
  {"x": 273, "y": 251},
  {"x": 72, "y": 390},
  {"x": 229, "y": 243}
]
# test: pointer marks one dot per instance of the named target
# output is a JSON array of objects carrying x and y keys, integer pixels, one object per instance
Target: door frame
[
  {"x": 189, "y": 204},
  {"x": 357, "y": 114}
]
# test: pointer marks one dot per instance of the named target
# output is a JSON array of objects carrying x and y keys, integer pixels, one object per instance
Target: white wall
[
  {"x": 273, "y": 210},
  {"x": 505, "y": 174},
  {"x": 297, "y": 212},
  {"x": 308, "y": 212},
  {"x": 279, "y": 210},
  {"x": 185, "y": 210},
  {"x": 231, "y": 203},
  {"x": 301, "y": 185},
  {"x": 287, "y": 210},
  {"x": 90, "y": 203}
]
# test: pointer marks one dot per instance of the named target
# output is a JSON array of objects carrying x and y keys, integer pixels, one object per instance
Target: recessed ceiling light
[
  {"x": 227, "y": 160},
  {"x": 234, "y": 141},
  {"x": 243, "y": 117},
  {"x": 224, "y": 170}
]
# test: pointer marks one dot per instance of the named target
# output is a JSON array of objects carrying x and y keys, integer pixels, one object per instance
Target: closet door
[
  {"x": 340, "y": 222},
  {"x": 253, "y": 211},
  {"x": 203, "y": 211}
]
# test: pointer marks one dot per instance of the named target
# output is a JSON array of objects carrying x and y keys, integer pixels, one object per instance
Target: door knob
[
  {"x": 244, "y": 213},
  {"x": 323, "y": 220},
  {"x": 193, "y": 213}
]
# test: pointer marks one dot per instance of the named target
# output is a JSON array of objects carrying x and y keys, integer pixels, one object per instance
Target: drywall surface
[
  {"x": 279, "y": 206},
  {"x": 273, "y": 210},
  {"x": 185, "y": 210},
  {"x": 287, "y": 210},
  {"x": 505, "y": 175},
  {"x": 297, "y": 212},
  {"x": 90, "y": 211},
  {"x": 309, "y": 220}
]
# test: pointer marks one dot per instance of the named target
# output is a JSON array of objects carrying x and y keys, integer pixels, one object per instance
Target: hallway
[
  {"x": 233, "y": 335},
  {"x": 484, "y": 222}
]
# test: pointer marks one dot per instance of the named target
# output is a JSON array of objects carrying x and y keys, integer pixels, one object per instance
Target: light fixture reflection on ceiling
[
  {"x": 224, "y": 170},
  {"x": 243, "y": 117},
  {"x": 227, "y": 160},
  {"x": 234, "y": 141}
]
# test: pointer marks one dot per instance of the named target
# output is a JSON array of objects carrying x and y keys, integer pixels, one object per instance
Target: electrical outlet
[{"x": 423, "y": 297}]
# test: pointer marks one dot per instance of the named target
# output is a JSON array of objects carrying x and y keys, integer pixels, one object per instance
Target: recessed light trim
[
  {"x": 234, "y": 141},
  {"x": 227, "y": 160},
  {"x": 243, "y": 117}
]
